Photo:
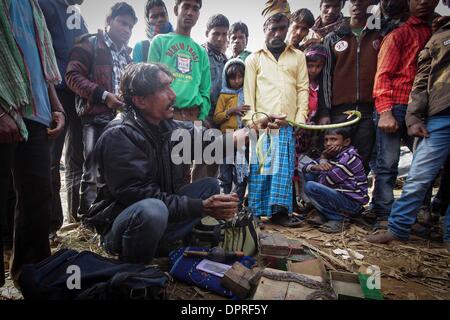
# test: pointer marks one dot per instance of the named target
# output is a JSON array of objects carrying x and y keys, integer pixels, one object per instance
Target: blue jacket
[{"x": 59, "y": 19}]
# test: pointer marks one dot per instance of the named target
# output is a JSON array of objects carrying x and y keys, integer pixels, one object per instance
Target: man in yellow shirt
[{"x": 276, "y": 83}]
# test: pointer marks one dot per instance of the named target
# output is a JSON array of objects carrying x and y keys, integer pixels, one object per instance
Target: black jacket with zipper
[
  {"x": 134, "y": 163},
  {"x": 349, "y": 72}
]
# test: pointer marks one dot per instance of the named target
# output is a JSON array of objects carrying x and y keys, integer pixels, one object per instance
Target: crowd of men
[{"x": 114, "y": 109}]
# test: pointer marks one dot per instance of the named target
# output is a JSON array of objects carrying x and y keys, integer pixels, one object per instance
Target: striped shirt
[
  {"x": 120, "y": 61},
  {"x": 397, "y": 63},
  {"x": 347, "y": 175}
]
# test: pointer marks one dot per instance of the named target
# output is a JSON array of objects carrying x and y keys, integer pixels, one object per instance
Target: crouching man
[{"x": 142, "y": 206}]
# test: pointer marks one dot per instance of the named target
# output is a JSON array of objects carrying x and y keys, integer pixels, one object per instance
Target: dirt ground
[{"x": 417, "y": 270}]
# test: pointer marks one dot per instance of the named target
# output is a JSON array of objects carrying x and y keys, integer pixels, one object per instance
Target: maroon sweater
[{"x": 90, "y": 73}]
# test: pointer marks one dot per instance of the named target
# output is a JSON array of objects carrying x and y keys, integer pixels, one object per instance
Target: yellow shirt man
[{"x": 277, "y": 87}]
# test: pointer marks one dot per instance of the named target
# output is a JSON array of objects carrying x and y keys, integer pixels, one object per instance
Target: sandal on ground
[
  {"x": 286, "y": 220},
  {"x": 315, "y": 218},
  {"x": 380, "y": 225},
  {"x": 369, "y": 215},
  {"x": 333, "y": 226}
]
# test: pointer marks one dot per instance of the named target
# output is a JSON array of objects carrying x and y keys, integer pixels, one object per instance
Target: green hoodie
[{"x": 189, "y": 64}]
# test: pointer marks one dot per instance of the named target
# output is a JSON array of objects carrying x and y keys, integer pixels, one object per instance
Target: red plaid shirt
[{"x": 397, "y": 63}]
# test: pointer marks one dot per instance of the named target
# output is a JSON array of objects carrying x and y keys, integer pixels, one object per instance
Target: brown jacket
[
  {"x": 90, "y": 73},
  {"x": 349, "y": 73},
  {"x": 431, "y": 90}
]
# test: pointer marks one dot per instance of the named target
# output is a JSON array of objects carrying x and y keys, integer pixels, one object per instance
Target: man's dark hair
[
  {"x": 238, "y": 26},
  {"x": 154, "y": 3},
  {"x": 303, "y": 15},
  {"x": 346, "y": 132},
  {"x": 178, "y": 2},
  {"x": 233, "y": 70},
  {"x": 217, "y": 20},
  {"x": 122, "y": 9},
  {"x": 141, "y": 79},
  {"x": 342, "y": 1},
  {"x": 275, "y": 18}
]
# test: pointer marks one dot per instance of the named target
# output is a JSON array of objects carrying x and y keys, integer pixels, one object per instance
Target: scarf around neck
[
  {"x": 322, "y": 30},
  {"x": 152, "y": 30}
]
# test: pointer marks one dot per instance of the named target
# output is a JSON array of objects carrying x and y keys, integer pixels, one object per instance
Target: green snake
[
  {"x": 319, "y": 127},
  {"x": 259, "y": 145}
]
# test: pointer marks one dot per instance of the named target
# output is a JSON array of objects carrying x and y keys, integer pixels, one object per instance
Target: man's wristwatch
[{"x": 104, "y": 96}]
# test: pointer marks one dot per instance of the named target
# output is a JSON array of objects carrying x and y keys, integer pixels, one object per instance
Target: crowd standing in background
[{"x": 113, "y": 110}]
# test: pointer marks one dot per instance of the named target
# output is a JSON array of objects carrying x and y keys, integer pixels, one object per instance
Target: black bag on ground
[{"x": 99, "y": 278}]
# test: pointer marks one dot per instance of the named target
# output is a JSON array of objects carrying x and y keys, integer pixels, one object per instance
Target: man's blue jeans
[
  {"x": 144, "y": 227},
  {"x": 428, "y": 159},
  {"x": 387, "y": 158},
  {"x": 331, "y": 203}
]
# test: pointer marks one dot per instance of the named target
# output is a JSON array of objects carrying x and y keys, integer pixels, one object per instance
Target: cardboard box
[
  {"x": 346, "y": 285},
  {"x": 269, "y": 289},
  {"x": 313, "y": 269}
]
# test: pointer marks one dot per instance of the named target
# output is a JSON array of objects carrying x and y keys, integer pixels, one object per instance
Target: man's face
[
  {"x": 120, "y": 29},
  {"x": 358, "y": 8},
  {"x": 276, "y": 33},
  {"x": 187, "y": 13},
  {"x": 335, "y": 140},
  {"x": 297, "y": 32},
  {"x": 217, "y": 38},
  {"x": 158, "y": 16},
  {"x": 423, "y": 9},
  {"x": 159, "y": 106},
  {"x": 238, "y": 42},
  {"x": 330, "y": 11},
  {"x": 394, "y": 8}
]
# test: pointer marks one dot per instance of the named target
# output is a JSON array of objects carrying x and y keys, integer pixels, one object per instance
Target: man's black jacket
[{"x": 134, "y": 163}]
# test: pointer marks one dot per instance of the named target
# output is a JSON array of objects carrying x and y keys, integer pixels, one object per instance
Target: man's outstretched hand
[{"x": 221, "y": 206}]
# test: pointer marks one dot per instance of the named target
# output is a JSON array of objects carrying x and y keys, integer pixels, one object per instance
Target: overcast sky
[{"x": 248, "y": 11}]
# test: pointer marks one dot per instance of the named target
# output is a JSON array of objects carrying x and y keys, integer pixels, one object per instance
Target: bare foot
[{"x": 383, "y": 238}]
